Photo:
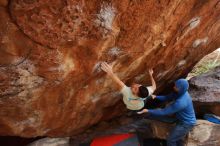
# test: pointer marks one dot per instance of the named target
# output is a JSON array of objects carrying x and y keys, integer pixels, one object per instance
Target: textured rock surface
[
  {"x": 205, "y": 90},
  {"x": 51, "y": 142},
  {"x": 3, "y": 3},
  {"x": 50, "y": 52},
  {"x": 203, "y": 134}
]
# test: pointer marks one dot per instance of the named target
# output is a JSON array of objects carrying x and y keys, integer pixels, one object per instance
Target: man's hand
[
  {"x": 151, "y": 71},
  {"x": 106, "y": 68},
  {"x": 143, "y": 111}
]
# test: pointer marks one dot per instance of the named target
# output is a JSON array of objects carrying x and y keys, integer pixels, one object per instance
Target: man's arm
[
  {"x": 108, "y": 69},
  {"x": 163, "y": 98},
  {"x": 154, "y": 86},
  {"x": 171, "y": 109}
]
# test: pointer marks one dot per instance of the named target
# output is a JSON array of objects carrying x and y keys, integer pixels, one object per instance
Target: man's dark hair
[{"x": 143, "y": 92}]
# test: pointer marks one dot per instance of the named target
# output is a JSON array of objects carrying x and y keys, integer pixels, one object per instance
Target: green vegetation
[
  {"x": 203, "y": 68},
  {"x": 208, "y": 63}
]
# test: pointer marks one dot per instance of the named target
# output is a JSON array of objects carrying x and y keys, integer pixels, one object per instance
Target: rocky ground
[{"x": 203, "y": 134}]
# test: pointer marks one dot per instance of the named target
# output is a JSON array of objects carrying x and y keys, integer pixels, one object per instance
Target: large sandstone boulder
[
  {"x": 50, "y": 52},
  {"x": 205, "y": 91}
]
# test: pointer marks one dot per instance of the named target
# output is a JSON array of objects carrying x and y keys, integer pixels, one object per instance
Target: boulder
[
  {"x": 205, "y": 91},
  {"x": 50, "y": 55},
  {"x": 203, "y": 134},
  {"x": 51, "y": 142}
]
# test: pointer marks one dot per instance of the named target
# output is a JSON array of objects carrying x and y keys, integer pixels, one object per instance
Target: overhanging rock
[{"x": 50, "y": 52}]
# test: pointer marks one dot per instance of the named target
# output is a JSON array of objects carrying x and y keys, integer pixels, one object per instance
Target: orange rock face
[{"x": 50, "y": 52}]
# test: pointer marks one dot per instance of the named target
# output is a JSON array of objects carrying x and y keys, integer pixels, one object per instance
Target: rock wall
[
  {"x": 50, "y": 52},
  {"x": 205, "y": 91}
]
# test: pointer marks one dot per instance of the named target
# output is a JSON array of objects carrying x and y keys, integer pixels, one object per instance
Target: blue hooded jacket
[{"x": 182, "y": 105}]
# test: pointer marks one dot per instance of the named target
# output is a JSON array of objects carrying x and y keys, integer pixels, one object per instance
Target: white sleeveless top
[{"x": 128, "y": 95}]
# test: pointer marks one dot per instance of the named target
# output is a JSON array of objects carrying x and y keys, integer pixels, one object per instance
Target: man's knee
[
  {"x": 172, "y": 139},
  {"x": 171, "y": 142}
]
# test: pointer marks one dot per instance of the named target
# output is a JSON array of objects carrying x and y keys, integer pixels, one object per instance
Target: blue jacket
[{"x": 182, "y": 105}]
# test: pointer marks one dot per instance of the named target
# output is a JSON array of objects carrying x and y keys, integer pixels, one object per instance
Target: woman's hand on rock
[
  {"x": 106, "y": 68},
  {"x": 151, "y": 71},
  {"x": 153, "y": 96}
]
